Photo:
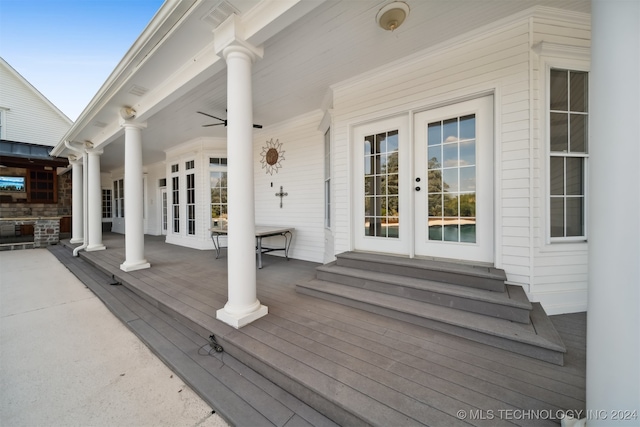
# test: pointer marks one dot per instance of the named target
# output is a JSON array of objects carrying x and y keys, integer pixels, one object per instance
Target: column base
[
  {"x": 238, "y": 321},
  {"x": 77, "y": 240},
  {"x": 133, "y": 266},
  {"x": 92, "y": 248}
]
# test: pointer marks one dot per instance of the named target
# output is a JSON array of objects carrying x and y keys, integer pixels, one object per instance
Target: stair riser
[
  {"x": 465, "y": 304},
  {"x": 498, "y": 342},
  {"x": 320, "y": 403},
  {"x": 421, "y": 273}
]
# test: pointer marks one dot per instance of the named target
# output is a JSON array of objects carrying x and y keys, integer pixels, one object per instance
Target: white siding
[
  {"x": 494, "y": 62},
  {"x": 559, "y": 276},
  {"x": 302, "y": 177},
  {"x": 498, "y": 61},
  {"x": 29, "y": 116}
]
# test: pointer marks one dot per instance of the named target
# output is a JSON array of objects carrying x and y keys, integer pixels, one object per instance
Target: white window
[
  {"x": 106, "y": 203},
  {"x": 218, "y": 183},
  {"x": 568, "y": 153},
  {"x": 327, "y": 178},
  {"x": 118, "y": 198},
  {"x": 191, "y": 198},
  {"x": 175, "y": 198}
]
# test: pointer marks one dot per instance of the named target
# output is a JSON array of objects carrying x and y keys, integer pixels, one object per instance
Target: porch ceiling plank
[{"x": 356, "y": 357}]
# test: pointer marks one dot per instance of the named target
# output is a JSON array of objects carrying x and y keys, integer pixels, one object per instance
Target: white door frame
[
  {"x": 406, "y": 243},
  {"x": 402, "y": 244},
  {"x": 482, "y": 250}
]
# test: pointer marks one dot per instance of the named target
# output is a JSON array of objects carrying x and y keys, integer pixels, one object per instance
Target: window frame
[
  {"x": 174, "y": 198},
  {"x": 218, "y": 164},
  {"x": 190, "y": 197},
  {"x": 118, "y": 198},
  {"x": 327, "y": 178},
  {"x": 107, "y": 203},
  {"x": 565, "y": 64}
]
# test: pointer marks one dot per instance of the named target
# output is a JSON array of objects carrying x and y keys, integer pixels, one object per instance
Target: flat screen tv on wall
[{"x": 12, "y": 183}]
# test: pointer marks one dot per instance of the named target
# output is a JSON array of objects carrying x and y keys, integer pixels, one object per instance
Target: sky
[{"x": 68, "y": 48}]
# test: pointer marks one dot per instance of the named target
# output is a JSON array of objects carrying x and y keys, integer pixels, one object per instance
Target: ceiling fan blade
[
  {"x": 257, "y": 126},
  {"x": 212, "y": 124},
  {"x": 213, "y": 117}
]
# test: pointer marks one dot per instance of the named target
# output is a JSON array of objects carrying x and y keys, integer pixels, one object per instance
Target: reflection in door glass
[
  {"x": 451, "y": 186},
  {"x": 381, "y": 210}
]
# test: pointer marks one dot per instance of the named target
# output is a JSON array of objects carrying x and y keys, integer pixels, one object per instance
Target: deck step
[
  {"x": 537, "y": 339},
  {"x": 511, "y": 304},
  {"x": 241, "y": 395},
  {"x": 463, "y": 274}
]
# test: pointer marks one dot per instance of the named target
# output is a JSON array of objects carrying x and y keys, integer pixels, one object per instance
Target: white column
[
  {"x": 243, "y": 306},
  {"x": 94, "y": 201},
  {"x": 77, "y": 212},
  {"x": 613, "y": 320},
  {"x": 133, "y": 198}
]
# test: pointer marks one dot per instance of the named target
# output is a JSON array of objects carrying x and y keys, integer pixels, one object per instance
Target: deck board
[{"x": 397, "y": 372}]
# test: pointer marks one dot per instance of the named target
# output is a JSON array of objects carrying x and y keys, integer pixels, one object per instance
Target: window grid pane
[{"x": 568, "y": 143}]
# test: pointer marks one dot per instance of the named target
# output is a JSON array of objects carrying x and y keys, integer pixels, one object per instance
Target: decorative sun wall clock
[{"x": 272, "y": 156}]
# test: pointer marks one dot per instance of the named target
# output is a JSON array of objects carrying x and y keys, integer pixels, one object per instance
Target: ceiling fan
[{"x": 223, "y": 121}]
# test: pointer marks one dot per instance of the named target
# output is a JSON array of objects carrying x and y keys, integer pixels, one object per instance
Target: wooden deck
[{"x": 352, "y": 366}]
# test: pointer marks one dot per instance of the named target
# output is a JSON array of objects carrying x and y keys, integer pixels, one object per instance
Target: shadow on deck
[{"x": 315, "y": 362}]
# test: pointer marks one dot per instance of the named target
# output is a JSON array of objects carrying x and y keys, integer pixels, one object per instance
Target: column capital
[
  {"x": 74, "y": 159},
  {"x": 133, "y": 124},
  {"x": 229, "y": 37},
  {"x": 95, "y": 151}
]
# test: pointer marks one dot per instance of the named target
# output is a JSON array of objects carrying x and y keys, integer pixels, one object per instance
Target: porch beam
[{"x": 613, "y": 340}]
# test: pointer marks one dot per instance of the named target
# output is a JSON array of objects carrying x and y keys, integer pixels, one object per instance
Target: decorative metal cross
[{"x": 281, "y": 195}]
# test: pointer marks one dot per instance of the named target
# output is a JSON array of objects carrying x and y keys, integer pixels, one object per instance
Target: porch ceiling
[{"x": 338, "y": 40}]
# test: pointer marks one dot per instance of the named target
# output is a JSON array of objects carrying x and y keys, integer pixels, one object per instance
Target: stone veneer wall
[
  {"x": 62, "y": 208},
  {"x": 46, "y": 231}
]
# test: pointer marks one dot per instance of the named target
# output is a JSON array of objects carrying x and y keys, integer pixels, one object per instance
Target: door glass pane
[
  {"x": 434, "y": 160},
  {"x": 381, "y": 172},
  {"x": 452, "y": 180}
]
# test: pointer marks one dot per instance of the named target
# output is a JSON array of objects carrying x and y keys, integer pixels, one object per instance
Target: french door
[
  {"x": 382, "y": 211},
  {"x": 164, "y": 212},
  {"x": 453, "y": 185},
  {"x": 428, "y": 192}
]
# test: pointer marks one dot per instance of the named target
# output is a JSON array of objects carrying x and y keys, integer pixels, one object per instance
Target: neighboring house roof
[
  {"x": 29, "y": 116},
  {"x": 14, "y": 153}
]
